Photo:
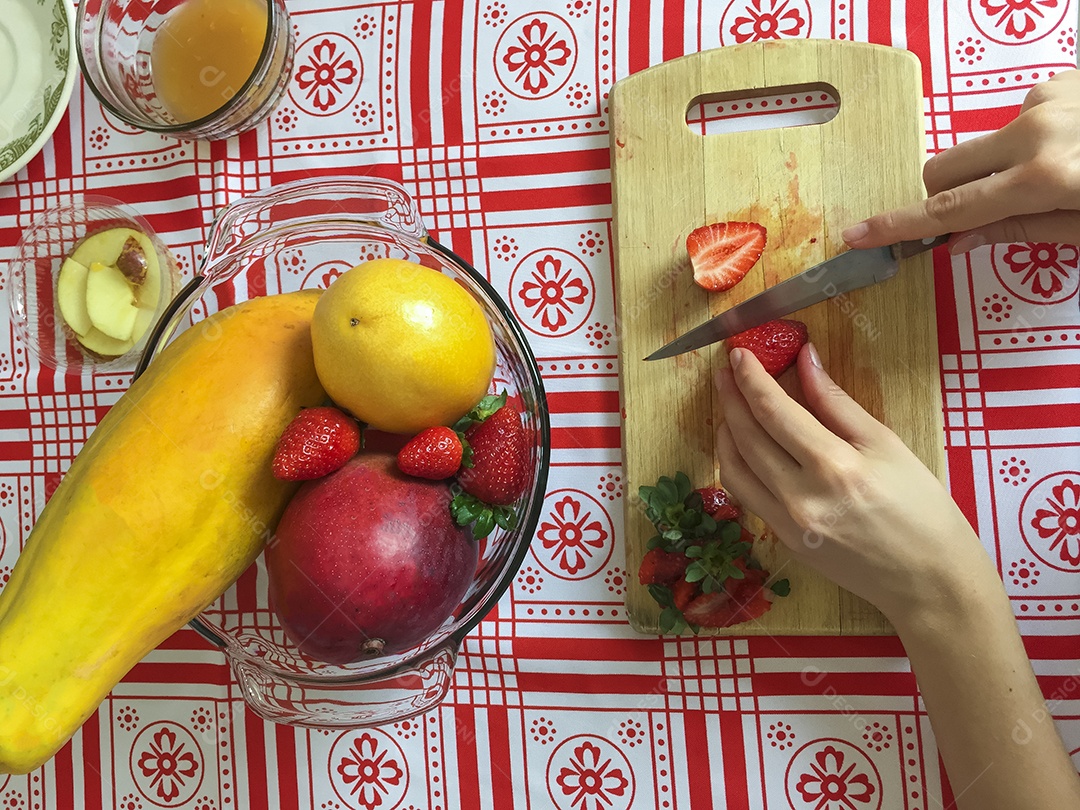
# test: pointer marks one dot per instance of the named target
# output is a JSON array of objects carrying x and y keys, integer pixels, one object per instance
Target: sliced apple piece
[
  {"x": 130, "y": 251},
  {"x": 110, "y": 302},
  {"x": 102, "y": 345},
  {"x": 104, "y": 246},
  {"x": 143, "y": 321},
  {"x": 71, "y": 296},
  {"x": 149, "y": 290}
]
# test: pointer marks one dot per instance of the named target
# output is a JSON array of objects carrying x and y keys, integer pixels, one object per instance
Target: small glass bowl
[
  {"x": 115, "y": 41},
  {"x": 303, "y": 235},
  {"x": 34, "y": 271}
]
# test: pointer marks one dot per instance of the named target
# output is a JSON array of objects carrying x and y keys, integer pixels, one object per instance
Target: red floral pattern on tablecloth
[
  {"x": 590, "y": 773},
  {"x": 536, "y": 55},
  {"x": 754, "y": 20},
  {"x": 552, "y": 292},
  {"x": 1012, "y": 22},
  {"x": 1038, "y": 272},
  {"x": 368, "y": 770},
  {"x": 832, "y": 774},
  {"x": 575, "y": 535},
  {"x": 323, "y": 275},
  {"x": 1050, "y": 520},
  {"x": 167, "y": 764},
  {"x": 328, "y": 74}
]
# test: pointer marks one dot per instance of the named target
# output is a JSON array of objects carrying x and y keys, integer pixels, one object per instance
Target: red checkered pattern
[{"x": 555, "y": 703}]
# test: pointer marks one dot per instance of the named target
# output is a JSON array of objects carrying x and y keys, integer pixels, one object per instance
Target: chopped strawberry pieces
[
  {"x": 718, "y": 504},
  {"x": 700, "y": 570},
  {"x": 722, "y": 253},
  {"x": 776, "y": 343},
  {"x": 684, "y": 593},
  {"x": 659, "y": 567},
  {"x": 740, "y": 600}
]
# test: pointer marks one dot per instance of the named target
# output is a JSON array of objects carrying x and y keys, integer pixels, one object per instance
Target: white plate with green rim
[{"x": 37, "y": 73}]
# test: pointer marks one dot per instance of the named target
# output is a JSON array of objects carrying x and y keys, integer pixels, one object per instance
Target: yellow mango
[{"x": 168, "y": 502}]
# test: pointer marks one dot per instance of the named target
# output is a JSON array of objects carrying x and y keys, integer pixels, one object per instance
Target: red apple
[{"x": 367, "y": 562}]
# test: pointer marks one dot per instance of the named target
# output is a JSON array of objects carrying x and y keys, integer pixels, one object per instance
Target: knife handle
[{"x": 905, "y": 250}]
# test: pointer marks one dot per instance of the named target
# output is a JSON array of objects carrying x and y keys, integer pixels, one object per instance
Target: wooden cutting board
[{"x": 804, "y": 184}]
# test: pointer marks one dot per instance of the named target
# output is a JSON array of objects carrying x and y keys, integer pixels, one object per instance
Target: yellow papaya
[{"x": 168, "y": 502}]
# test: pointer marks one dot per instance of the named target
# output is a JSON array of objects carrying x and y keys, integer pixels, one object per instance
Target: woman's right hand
[{"x": 1019, "y": 184}]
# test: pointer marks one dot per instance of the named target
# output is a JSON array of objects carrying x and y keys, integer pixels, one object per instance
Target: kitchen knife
[{"x": 849, "y": 271}]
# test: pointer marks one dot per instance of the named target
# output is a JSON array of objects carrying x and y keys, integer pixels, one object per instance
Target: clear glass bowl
[
  {"x": 115, "y": 44},
  {"x": 298, "y": 236},
  {"x": 39, "y": 255}
]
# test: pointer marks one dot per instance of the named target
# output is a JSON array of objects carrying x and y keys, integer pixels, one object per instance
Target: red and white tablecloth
[{"x": 494, "y": 115}]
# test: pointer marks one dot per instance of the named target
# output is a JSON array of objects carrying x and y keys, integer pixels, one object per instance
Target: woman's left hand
[{"x": 843, "y": 492}]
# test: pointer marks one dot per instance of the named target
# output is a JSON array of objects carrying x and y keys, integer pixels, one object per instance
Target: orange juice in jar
[
  {"x": 189, "y": 69},
  {"x": 204, "y": 54}
]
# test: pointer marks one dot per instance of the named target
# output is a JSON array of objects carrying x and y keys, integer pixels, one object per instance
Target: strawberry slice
[
  {"x": 683, "y": 593},
  {"x": 776, "y": 343},
  {"x": 718, "y": 504},
  {"x": 740, "y": 601},
  {"x": 660, "y": 567},
  {"x": 434, "y": 453},
  {"x": 316, "y": 443},
  {"x": 721, "y": 254}
]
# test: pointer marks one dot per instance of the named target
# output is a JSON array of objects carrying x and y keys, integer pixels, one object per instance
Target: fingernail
[
  {"x": 967, "y": 242},
  {"x": 735, "y": 358},
  {"x": 855, "y": 232},
  {"x": 814, "y": 358}
]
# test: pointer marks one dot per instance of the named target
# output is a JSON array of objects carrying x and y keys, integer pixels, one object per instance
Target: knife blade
[{"x": 849, "y": 271}]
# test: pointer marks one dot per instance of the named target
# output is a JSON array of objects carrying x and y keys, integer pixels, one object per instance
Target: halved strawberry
[
  {"x": 434, "y": 453},
  {"x": 776, "y": 343},
  {"x": 683, "y": 593},
  {"x": 718, "y": 504},
  {"x": 721, "y": 254},
  {"x": 740, "y": 600},
  {"x": 659, "y": 567},
  {"x": 316, "y": 443}
]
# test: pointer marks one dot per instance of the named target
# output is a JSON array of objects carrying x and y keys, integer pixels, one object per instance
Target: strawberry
[
  {"x": 776, "y": 343},
  {"x": 698, "y": 567},
  {"x": 316, "y": 443},
  {"x": 718, "y": 504},
  {"x": 659, "y": 567},
  {"x": 500, "y": 459},
  {"x": 495, "y": 471},
  {"x": 434, "y": 454},
  {"x": 683, "y": 593},
  {"x": 740, "y": 600},
  {"x": 721, "y": 254}
]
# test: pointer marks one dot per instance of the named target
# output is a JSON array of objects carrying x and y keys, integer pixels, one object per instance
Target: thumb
[
  {"x": 832, "y": 406},
  {"x": 1053, "y": 226}
]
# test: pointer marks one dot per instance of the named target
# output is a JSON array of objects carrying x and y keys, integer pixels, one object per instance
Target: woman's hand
[
  {"x": 843, "y": 492},
  {"x": 1019, "y": 184}
]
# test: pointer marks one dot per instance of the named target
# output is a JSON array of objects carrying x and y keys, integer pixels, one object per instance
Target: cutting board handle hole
[{"x": 796, "y": 105}]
